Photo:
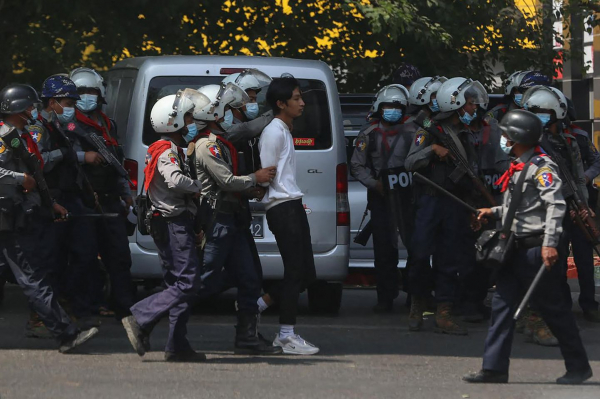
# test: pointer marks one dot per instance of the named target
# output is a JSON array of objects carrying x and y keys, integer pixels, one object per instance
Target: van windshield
[{"x": 312, "y": 131}]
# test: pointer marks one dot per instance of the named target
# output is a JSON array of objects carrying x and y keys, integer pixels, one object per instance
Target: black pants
[
  {"x": 513, "y": 280},
  {"x": 385, "y": 248},
  {"x": 21, "y": 253},
  {"x": 289, "y": 225},
  {"x": 113, "y": 246},
  {"x": 583, "y": 254}
]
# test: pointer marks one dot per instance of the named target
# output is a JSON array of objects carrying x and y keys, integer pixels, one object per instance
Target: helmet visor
[
  {"x": 474, "y": 93},
  {"x": 253, "y": 79},
  {"x": 232, "y": 95},
  {"x": 186, "y": 101}
]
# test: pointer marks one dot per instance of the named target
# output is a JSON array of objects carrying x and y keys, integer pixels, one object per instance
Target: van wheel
[{"x": 325, "y": 297}]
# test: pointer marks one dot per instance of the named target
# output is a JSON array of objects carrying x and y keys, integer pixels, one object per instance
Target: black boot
[{"x": 247, "y": 341}]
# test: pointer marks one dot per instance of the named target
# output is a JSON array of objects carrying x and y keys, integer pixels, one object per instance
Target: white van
[{"x": 135, "y": 84}]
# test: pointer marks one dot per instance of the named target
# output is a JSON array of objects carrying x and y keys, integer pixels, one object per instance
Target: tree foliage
[{"x": 362, "y": 40}]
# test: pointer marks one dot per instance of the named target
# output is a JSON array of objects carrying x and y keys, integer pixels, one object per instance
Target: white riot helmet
[
  {"x": 513, "y": 81},
  {"x": 219, "y": 96},
  {"x": 249, "y": 79},
  {"x": 545, "y": 97},
  {"x": 421, "y": 90},
  {"x": 161, "y": 119},
  {"x": 453, "y": 94},
  {"x": 88, "y": 78},
  {"x": 391, "y": 94}
]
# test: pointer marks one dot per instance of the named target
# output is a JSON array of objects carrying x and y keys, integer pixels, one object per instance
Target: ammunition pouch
[
  {"x": 157, "y": 227},
  {"x": 7, "y": 215}
]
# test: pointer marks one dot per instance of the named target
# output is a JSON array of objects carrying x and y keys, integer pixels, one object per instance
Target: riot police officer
[
  {"x": 514, "y": 88},
  {"x": 71, "y": 242},
  {"x": 583, "y": 252},
  {"x": 550, "y": 105},
  {"x": 537, "y": 228},
  {"x": 380, "y": 151},
  {"x": 226, "y": 219},
  {"x": 26, "y": 212},
  {"x": 422, "y": 95},
  {"x": 440, "y": 224},
  {"x": 171, "y": 191},
  {"x": 108, "y": 180},
  {"x": 244, "y": 125}
]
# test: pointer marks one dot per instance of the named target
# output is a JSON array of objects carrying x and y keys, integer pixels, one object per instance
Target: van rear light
[
  {"x": 131, "y": 167},
  {"x": 229, "y": 71},
  {"x": 341, "y": 195}
]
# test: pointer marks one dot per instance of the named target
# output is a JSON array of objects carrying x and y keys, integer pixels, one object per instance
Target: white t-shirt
[{"x": 276, "y": 148}]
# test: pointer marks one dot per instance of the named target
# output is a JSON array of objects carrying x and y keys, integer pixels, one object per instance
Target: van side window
[
  {"x": 118, "y": 97},
  {"x": 312, "y": 131}
]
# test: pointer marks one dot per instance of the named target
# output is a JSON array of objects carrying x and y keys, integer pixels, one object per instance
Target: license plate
[{"x": 257, "y": 226}]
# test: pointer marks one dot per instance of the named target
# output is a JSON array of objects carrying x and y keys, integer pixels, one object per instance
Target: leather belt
[{"x": 529, "y": 242}]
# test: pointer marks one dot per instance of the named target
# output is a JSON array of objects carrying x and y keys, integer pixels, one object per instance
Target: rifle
[
  {"x": 87, "y": 186},
  {"x": 462, "y": 165},
  {"x": 576, "y": 202},
  {"x": 100, "y": 146},
  {"x": 423, "y": 179},
  {"x": 33, "y": 165}
]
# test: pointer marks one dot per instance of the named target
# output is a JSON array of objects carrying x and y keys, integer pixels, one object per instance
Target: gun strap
[
  {"x": 365, "y": 213},
  {"x": 515, "y": 200}
]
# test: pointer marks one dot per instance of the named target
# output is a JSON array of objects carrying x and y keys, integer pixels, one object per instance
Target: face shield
[
  {"x": 232, "y": 95},
  {"x": 473, "y": 93},
  {"x": 186, "y": 101},
  {"x": 253, "y": 79}
]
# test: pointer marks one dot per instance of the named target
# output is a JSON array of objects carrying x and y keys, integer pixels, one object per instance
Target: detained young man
[{"x": 286, "y": 217}]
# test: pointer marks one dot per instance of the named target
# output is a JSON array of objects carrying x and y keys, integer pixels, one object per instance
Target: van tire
[{"x": 325, "y": 297}]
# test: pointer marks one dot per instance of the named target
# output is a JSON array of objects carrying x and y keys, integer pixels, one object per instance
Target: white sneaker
[{"x": 295, "y": 345}]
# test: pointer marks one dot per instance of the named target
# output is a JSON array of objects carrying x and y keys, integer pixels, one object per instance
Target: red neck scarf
[
  {"x": 104, "y": 129},
  {"x": 232, "y": 150},
  {"x": 154, "y": 151},
  {"x": 516, "y": 167}
]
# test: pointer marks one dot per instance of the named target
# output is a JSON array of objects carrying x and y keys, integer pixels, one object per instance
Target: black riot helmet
[
  {"x": 522, "y": 127},
  {"x": 17, "y": 98}
]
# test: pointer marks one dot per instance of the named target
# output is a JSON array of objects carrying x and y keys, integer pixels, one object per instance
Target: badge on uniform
[
  {"x": 148, "y": 158},
  {"x": 173, "y": 158},
  {"x": 214, "y": 150},
  {"x": 2, "y": 146},
  {"x": 71, "y": 126},
  {"x": 545, "y": 179},
  {"x": 361, "y": 145},
  {"x": 36, "y": 133},
  {"x": 419, "y": 139}
]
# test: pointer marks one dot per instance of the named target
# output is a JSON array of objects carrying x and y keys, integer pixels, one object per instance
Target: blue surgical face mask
[
  {"x": 545, "y": 118},
  {"x": 88, "y": 102},
  {"x": 503, "y": 145},
  {"x": 228, "y": 120},
  {"x": 251, "y": 111},
  {"x": 434, "y": 107},
  {"x": 34, "y": 114},
  {"x": 518, "y": 99},
  {"x": 67, "y": 115},
  {"x": 192, "y": 132},
  {"x": 392, "y": 115},
  {"x": 467, "y": 118}
]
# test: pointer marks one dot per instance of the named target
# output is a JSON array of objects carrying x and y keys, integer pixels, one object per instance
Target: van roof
[{"x": 225, "y": 61}]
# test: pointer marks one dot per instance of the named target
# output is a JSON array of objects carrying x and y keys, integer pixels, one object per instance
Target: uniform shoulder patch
[
  {"x": 361, "y": 144},
  {"x": 173, "y": 158},
  {"x": 545, "y": 178},
  {"x": 214, "y": 149},
  {"x": 2, "y": 146},
  {"x": 420, "y": 137},
  {"x": 36, "y": 132}
]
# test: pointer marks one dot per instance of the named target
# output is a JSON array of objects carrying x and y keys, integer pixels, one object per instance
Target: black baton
[
  {"x": 423, "y": 179},
  {"x": 534, "y": 284},
  {"x": 70, "y": 216}
]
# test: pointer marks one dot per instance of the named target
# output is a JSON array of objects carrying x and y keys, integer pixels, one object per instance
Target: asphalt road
[{"x": 362, "y": 356}]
